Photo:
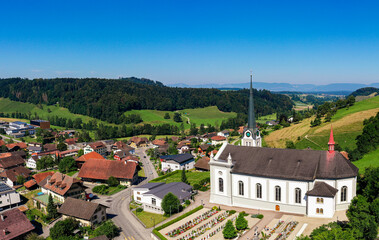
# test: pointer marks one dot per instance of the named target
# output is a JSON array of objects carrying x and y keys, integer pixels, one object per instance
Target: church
[{"x": 309, "y": 182}]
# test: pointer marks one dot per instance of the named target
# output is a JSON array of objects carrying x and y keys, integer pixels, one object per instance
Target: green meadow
[{"x": 369, "y": 160}]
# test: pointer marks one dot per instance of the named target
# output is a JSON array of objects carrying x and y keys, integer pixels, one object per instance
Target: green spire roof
[{"x": 251, "y": 121}]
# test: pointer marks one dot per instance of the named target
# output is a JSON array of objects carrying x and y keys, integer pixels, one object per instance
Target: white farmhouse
[{"x": 177, "y": 162}]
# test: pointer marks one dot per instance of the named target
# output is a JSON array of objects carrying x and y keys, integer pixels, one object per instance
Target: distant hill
[
  {"x": 108, "y": 99},
  {"x": 345, "y": 88},
  {"x": 365, "y": 91}
]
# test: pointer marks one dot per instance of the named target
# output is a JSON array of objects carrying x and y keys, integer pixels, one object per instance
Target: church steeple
[
  {"x": 331, "y": 142},
  {"x": 251, "y": 135},
  {"x": 251, "y": 121}
]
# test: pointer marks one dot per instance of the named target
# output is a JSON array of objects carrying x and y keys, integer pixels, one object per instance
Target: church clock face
[{"x": 248, "y": 134}]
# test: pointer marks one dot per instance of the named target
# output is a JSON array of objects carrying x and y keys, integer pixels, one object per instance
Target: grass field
[
  {"x": 347, "y": 125},
  {"x": 192, "y": 177},
  {"x": 369, "y": 160},
  {"x": 208, "y": 115},
  {"x": 149, "y": 219},
  {"x": 264, "y": 119}
]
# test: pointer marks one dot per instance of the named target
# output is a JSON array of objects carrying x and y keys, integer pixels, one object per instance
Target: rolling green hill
[
  {"x": 347, "y": 125},
  {"x": 369, "y": 160}
]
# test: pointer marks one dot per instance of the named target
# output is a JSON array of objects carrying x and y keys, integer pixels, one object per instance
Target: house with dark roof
[
  {"x": 86, "y": 213},
  {"x": 10, "y": 176},
  {"x": 152, "y": 194},
  {"x": 98, "y": 147},
  {"x": 99, "y": 170},
  {"x": 136, "y": 142},
  {"x": 177, "y": 162},
  {"x": 10, "y": 161},
  {"x": 308, "y": 182},
  {"x": 14, "y": 225},
  {"x": 202, "y": 164}
]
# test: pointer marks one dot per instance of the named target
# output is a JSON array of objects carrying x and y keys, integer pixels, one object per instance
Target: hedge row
[
  {"x": 155, "y": 231},
  {"x": 164, "y": 176}
]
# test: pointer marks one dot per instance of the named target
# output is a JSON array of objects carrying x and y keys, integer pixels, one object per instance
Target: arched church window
[
  {"x": 317, "y": 210},
  {"x": 318, "y": 200},
  {"x": 321, "y": 211},
  {"x": 278, "y": 193},
  {"x": 343, "y": 194},
  {"x": 297, "y": 195},
  {"x": 259, "y": 190},
  {"x": 221, "y": 185},
  {"x": 240, "y": 188}
]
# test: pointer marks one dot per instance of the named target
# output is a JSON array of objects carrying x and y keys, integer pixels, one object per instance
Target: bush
[
  {"x": 113, "y": 182},
  {"x": 101, "y": 189},
  {"x": 241, "y": 222},
  {"x": 188, "y": 202},
  {"x": 108, "y": 229},
  {"x": 205, "y": 181},
  {"x": 260, "y": 216},
  {"x": 139, "y": 209},
  {"x": 232, "y": 212},
  {"x": 203, "y": 189},
  {"x": 64, "y": 228},
  {"x": 196, "y": 186},
  {"x": 229, "y": 231}
]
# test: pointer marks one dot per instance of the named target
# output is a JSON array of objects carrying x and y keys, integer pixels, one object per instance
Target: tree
[
  {"x": 80, "y": 152},
  {"x": 34, "y": 236},
  {"x": 20, "y": 179},
  {"x": 229, "y": 231},
  {"x": 67, "y": 164},
  {"x": 62, "y": 146},
  {"x": 290, "y": 144},
  {"x": 241, "y": 222},
  {"x": 332, "y": 231},
  {"x": 64, "y": 228},
  {"x": 51, "y": 208},
  {"x": 177, "y": 117},
  {"x": 45, "y": 162},
  {"x": 108, "y": 229},
  {"x": 167, "y": 116},
  {"x": 113, "y": 182},
  {"x": 374, "y": 209},
  {"x": 184, "y": 177},
  {"x": 170, "y": 203},
  {"x": 360, "y": 218}
]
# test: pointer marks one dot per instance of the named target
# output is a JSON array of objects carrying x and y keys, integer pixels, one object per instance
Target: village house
[
  {"x": 10, "y": 161},
  {"x": 50, "y": 147},
  {"x": 152, "y": 194},
  {"x": 34, "y": 149},
  {"x": 37, "y": 179},
  {"x": 13, "y": 147},
  {"x": 202, "y": 164},
  {"x": 32, "y": 162},
  {"x": 177, "y": 162},
  {"x": 272, "y": 123},
  {"x": 120, "y": 145},
  {"x": 207, "y": 136},
  {"x": 202, "y": 149},
  {"x": 136, "y": 142},
  {"x": 14, "y": 225},
  {"x": 216, "y": 140},
  {"x": 120, "y": 154},
  {"x": 88, "y": 214},
  {"x": 68, "y": 153},
  {"x": 70, "y": 142},
  {"x": 183, "y": 146},
  {"x": 91, "y": 155},
  {"x": 8, "y": 197},
  {"x": 159, "y": 142},
  {"x": 99, "y": 170},
  {"x": 10, "y": 176},
  {"x": 224, "y": 133},
  {"x": 61, "y": 186},
  {"x": 98, "y": 147}
]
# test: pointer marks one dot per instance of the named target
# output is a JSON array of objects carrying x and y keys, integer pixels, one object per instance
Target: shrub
[
  {"x": 64, "y": 228},
  {"x": 188, "y": 202},
  {"x": 139, "y": 209},
  {"x": 203, "y": 189},
  {"x": 229, "y": 231},
  {"x": 101, "y": 189},
  {"x": 196, "y": 186},
  {"x": 260, "y": 216},
  {"x": 113, "y": 182},
  {"x": 241, "y": 222},
  {"x": 232, "y": 212},
  {"x": 108, "y": 229}
]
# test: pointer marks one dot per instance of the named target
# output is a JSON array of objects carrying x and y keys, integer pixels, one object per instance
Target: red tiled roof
[
  {"x": 2, "y": 142},
  {"x": 21, "y": 145},
  {"x": 119, "y": 144},
  {"x": 131, "y": 158},
  {"x": 15, "y": 224},
  {"x": 97, "y": 145},
  {"x": 41, "y": 176},
  {"x": 159, "y": 142},
  {"x": 218, "y": 138},
  {"x": 345, "y": 154},
  {"x": 71, "y": 141},
  {"x": 91, "y": 155},
  {"x": 138, "y": 140},
  {"x": 68, "y": 151},
  {"x": 60, "y": 183},
  {"x": 102, "y": 169},
  {"x": 30, "y": 183}
]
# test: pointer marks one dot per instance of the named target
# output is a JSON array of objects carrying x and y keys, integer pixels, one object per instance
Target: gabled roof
[
  {"x": 159, "y": 142},
  {"x": 60, "y": 183},
  {"x": 289, "y": 163},
  {"x": 204, "y": 146},
  {"x": 30, "y": 183},
  {"x": 218, "y": 138},
  {"x": 91, "y": 155},
  {"x": 203, "y": 163},
  {"x": 150, "y": 185},
  {"x": 14, "y": 172},
  {"x": 15, "y": 224},
  {"x": 71, "y": 141},
  {"x": 11, "y": 161},
  {"x": 322, "y": 189},
  {"x": 179, "y": 158},
  {"x": 138, "y": 140},
  {"x": 21, "y": 145},
  {"x": 97, "y": 145},
  {"x": 2, "y": 142},
  {"x": 78, "y": 208},
  {"x": 102, "y": 169},
  {"x": 49, "y": 147},
  {"x": 41, "y": 176}
]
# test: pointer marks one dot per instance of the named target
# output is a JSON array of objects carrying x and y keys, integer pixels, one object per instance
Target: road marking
[
  {"x": 132, "y": 238},
  {"x": 124, "y": 235}
]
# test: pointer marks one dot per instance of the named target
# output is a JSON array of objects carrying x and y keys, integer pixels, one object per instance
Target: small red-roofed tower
[{"x": 331, "y": 141}]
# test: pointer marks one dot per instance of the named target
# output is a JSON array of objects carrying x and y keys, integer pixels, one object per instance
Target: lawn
[
  {"x": 149, "y": 219},
  {"x": 141, "y": 173},
  {"x": 369, "y": 160},
  {"x": 193, "y": 177},
  {"x": 264, "y": 119},
  {"x": 207, "y": 115},
  {"x": 372, "y": 103}
]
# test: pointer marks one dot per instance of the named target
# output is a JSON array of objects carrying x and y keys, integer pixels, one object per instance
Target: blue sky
[{"x": 192, "y": 42}]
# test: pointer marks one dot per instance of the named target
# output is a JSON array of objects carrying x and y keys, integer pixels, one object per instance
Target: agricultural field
[
  {"x": 347, "y": 125},
  {"x": 369, "y": 160},
  {"x": 208, "y": 115},
  {"x": 299, "y": 106}
]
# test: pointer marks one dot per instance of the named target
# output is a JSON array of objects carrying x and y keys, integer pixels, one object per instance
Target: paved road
[
  {"x": 118, "y": 204},
  {"x": 5, "y": 137}
]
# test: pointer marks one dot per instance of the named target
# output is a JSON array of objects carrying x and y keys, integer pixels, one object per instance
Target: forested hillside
[{"x": 108, "y": 99}]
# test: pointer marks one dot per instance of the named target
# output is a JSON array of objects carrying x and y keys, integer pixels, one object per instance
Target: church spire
[
  {"x": 331, "y": 140},
  {"x": 251, "y": 121}
]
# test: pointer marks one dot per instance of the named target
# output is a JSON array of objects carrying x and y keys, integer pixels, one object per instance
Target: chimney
[{"x": 331, "y": 141}]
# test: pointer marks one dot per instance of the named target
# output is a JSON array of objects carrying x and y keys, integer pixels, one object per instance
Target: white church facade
[{"x": 308, "y": 182}]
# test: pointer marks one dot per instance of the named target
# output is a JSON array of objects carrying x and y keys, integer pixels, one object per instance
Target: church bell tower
[{"x": 251, "y": 134}]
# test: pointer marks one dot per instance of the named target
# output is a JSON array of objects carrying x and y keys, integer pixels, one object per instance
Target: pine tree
[
  {"x": 184, "y": 177},
  {"x": 229, "y": 231},
  {"x": 51, "y": 208},
  {"x": 241, "y": 222}
]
